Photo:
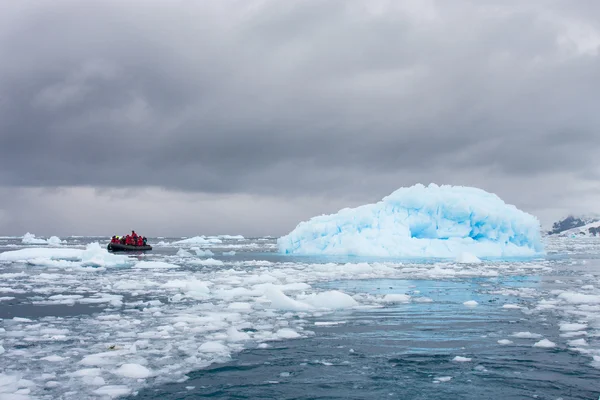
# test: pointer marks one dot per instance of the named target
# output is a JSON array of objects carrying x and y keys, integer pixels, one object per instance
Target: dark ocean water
[{"x": 429, "y": 345}]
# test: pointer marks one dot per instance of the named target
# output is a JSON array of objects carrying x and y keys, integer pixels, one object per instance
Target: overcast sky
[{"x": 248, "y": 116}]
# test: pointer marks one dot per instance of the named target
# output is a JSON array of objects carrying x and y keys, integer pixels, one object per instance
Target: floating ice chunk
[
  {"x": 2, "y": 351},
  {"x": 511, "y": 306},
  {"x": 209, "y": 262},
  {"x": 183, "y": 253},
  {"x": 136, "y": 371},
  {"x": 55, "y": 241},
  {"x": 213, "y": 347},
  {"x": 231, "y": 237},
  {"x": 442, "y": 379},
  {"x": 229, "y": 253},
  {"x": 576, "y": 298},
  {"x": 202, "y": 253},
  {"x": 233, "y": 335},
  {"x": 504, "y": 341},
  {"x": 572, "y": 327},
  {"x": 113, "y": 391},
  {"x": 577, "y": 342},
  {"x": 461, "y": 359},
  {"x": 419, "y": 221},
  {"x": 396, "y": 298},
  {"x": 329, "y": 323},
  {"x": 471, "y": 303},
  {"x": 467, "y": 258},
  {"x": 333, "y": 299},
  {"x": 86, "y": 372},
  {"x": 573, "y": 334},
  {"x": 102, "y": 359},
  {"x": 282, "y": 302},
  {"x": 29, "y": 238},
  {"x": 53, "y": 358},
  {"x": 198, "y": 240},
  {"x": 526, "y": 335},
  {"x": 241, "y": 306},
  {"x": 287, "y": 333},
  {"x": 545, "y": 343},
  {"x": 422, "y": 300},
  {"x": 154, "y": 265}
]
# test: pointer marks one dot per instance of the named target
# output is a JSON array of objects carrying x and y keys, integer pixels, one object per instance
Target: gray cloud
[{"x": 337, "y": 99}]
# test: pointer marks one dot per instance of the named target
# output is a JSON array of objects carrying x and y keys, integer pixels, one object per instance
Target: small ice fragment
[
  {"x": 461, "y": 359},
  {"x": 467, "y": 258},
  {"x": 572, "y": 327},
  {"x": 504, "y": 341},
  {"x": 133, "y": 371},
  {"x": 213, "y": 347},
  {"x": 53, "y": 358},
  {"x": 113, "y": 390},
  {"x": 577, "y": 342},
  {"x": 287, "y": 333},
  {"x": 396, "y": 298},
  {"x": 527, "y": 335},
  {"x": 545, "y": 343},
  {"x": 471, "y": 303}
]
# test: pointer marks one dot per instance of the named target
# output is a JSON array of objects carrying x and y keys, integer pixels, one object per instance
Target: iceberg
[{"x": 421, "y": 222}]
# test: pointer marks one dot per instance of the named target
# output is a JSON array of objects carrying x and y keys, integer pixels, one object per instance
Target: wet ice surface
[{"x": 194, "y": 318}]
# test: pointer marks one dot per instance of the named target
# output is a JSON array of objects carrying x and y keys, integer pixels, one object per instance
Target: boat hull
[{"x": 126, "y": 247}]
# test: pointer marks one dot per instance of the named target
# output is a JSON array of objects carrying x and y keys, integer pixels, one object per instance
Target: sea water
[{"x": 232, "y": 318}]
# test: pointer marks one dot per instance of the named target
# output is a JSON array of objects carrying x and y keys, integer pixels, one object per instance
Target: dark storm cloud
[{"x": 287, "y": 97}]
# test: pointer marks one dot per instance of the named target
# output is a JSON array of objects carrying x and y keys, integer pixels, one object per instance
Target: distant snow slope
[
  {"x": 419, "y": 221},
  {"x": 591, "y": 229},
  {"x": 571, "y": 222}
]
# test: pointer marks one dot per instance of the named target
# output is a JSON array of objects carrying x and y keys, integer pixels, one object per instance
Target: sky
[{"x": 248, "y": 116}]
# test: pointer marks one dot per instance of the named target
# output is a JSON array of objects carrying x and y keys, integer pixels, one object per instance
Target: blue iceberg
[{"x": 419, "y": 221}]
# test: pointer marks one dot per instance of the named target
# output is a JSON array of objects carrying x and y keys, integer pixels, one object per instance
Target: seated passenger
[
  {"x": 144, "y": 241},
  {"x": 139, "y": 241}
]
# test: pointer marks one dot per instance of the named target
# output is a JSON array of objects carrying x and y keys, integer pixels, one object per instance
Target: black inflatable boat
[{"x": 126, "y": 247}]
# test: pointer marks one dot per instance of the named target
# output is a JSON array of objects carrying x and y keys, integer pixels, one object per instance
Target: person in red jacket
[
  {"x": 128, "y": 240},
  {"x": 140, "y": 241}
]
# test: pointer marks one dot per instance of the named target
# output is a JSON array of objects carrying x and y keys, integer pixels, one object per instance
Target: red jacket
[{"x": 140, "y": 242}]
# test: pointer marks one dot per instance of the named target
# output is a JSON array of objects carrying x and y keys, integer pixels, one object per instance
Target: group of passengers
[{"x": 131, "y": 240}]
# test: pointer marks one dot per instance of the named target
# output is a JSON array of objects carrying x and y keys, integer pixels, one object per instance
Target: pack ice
[{"x": 419, "y": 221}]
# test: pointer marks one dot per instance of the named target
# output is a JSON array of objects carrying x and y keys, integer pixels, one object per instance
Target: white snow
[
  {"x": 545, "y": 343},
  {"x": 471, "y": 303},
  {"x": 419, "y": 221}
]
